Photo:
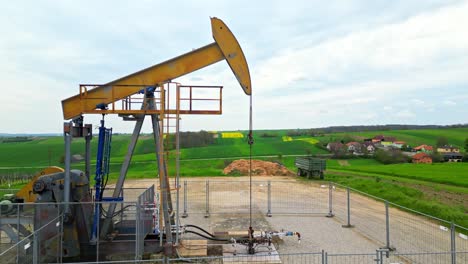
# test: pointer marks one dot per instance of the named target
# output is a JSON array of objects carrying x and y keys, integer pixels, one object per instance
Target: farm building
[
  {"x": 452, "y": 156},
  {"x": 334, "y": 146},
  {"x": 398, "y": 144},
  {"x": 424, "y": 148},
  {"x": 448, "y": 149},
  {"x": 386, "y": 143},
  {"x": 369, "y": 146},
  {"x": 422, "y": 158},
  {"x": 354, "y": 147},
  {"x": 382, "y": 138}
]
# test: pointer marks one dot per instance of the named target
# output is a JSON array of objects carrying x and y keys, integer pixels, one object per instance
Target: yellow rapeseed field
[
  {"x": 232, "y": 135},
  {"x": 309, "y": 140}
]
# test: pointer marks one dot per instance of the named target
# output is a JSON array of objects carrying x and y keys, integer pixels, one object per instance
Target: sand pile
[{"x": 259, "y": 168}]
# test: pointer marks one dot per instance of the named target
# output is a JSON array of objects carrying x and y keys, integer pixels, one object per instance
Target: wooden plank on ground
[{"x": 193, "y": 248}]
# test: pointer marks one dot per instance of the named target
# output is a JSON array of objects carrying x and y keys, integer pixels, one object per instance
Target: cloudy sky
[{"x": 313, "y": 63}]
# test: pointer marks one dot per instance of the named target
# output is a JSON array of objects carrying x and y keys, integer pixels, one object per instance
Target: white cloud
[
  {"x": 417, "y": 102},
  {"x": 326, "y": 63},
  {"x": 449, "y": 102},
  {"x": 405, "y": 114},
  {"x": 408, "y": 51},
  {"x": 387, "y": 108}
]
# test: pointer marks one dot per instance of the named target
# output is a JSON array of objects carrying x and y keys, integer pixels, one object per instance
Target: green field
[
  {"x": 439, "y": 189},
  {"x": 48, "y": 151},
  {"x": 456, "y": 136},
  {"x": 446, "y": 173}
]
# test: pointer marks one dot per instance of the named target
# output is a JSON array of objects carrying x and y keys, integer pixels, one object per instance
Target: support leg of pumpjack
[
  {"x": 88, "y": 156},
  {"x": 123, "y": 173},
  {"x": 163, "y": 183}
]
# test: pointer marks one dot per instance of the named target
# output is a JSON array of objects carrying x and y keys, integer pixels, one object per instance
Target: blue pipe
[{"x": 98, "y": 179}]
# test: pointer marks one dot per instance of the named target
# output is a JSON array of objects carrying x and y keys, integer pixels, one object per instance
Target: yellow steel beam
[{"x": 224, "y": 47}]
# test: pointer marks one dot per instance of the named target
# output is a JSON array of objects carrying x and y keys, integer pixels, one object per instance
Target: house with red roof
[
  {"x": 423, "y": 148},
  {"x": 354, "y": 147},
  {"x": 422, "y": 157}
]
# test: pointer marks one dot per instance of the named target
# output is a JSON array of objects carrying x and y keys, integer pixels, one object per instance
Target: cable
[
  {"x": 104, "y": 212},
  {"x": 207, "y": 237},
  {"x": 250, "y": 164},
  {"x": 201, "y": 229}
]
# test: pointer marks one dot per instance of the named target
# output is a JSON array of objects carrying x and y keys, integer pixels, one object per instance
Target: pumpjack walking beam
[{"x": 225, "y": 47}]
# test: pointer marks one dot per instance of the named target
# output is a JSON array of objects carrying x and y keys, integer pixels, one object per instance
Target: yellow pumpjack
[{"x": 224, "y": 47}]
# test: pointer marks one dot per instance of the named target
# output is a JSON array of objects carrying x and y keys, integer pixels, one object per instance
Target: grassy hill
[
  {"x": 28, "y": 157},
  {"x": 456, "y": 136},
  {"x": 438, "y": 189},
  {"x": 44, "y": 151},
  {"x": 446, "y": 173}
]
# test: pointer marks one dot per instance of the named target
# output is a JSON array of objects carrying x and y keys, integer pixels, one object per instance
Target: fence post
[
  {"x": 387, "y": 226},
  {"x": 330, "y": 200},
  {"x": 35, "y": 248},
  {"x": 98, "y": 236},
  {"x": 452, "y": 243},
  {"x": 17, "y": 231},
  {"x": 378, "y": 255},
  {"x": 269, "y": 199},
  {"x": 324, "y": 257},
  {"x": 207, "y": 202},
  {"x": 61, "y": 237},
  {"x": 184, "y": 215},
  {"x": 121, "y": 207},
  {"x": 348, "y": 205},
  {"x": 0, "y": 232},
  {"x": 138, "y": 229}
]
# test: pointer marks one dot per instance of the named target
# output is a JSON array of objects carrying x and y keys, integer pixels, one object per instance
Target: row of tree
[
  {"x": 337, "y": 129},
  {"x": 15, "y": 139},
  {"x": 192, "y": 139}
]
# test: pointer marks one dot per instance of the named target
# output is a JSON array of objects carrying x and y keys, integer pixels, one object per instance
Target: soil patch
[
  {"x": 259, "y": 168},
  {"x": 343, "y": 162}
]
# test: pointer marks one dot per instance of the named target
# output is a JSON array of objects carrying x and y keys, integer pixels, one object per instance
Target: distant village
[{"x": 390, "y": 145}]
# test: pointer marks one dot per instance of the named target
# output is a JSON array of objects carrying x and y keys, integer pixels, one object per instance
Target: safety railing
[
  {"x": 268, "y": 198},
  {"x": 38, "y": 233},
  {"x": 294, "y": 258},
  {"x": 186, "y": 99},
  {"x": 146, "y": 210},
  {"x": 401, "y": 235},
  {"x": 398, "y": 228},
  {"x": 29, "y": 248}
]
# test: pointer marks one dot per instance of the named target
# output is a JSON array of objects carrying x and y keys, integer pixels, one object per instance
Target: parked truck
[{"x": 310, "y": 167}]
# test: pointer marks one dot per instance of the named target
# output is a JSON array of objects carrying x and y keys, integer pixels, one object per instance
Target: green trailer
[{"x": 310, "y": 167}]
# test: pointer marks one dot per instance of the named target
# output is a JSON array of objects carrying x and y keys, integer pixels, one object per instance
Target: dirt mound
[{"x": 259, "y": 168}]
